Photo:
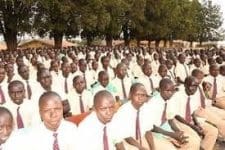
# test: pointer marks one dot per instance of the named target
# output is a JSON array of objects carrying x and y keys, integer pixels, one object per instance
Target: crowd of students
[{"x": 130, "y": 97}]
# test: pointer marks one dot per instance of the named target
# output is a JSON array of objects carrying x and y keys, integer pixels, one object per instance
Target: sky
[{"x": 222, "y": 5}]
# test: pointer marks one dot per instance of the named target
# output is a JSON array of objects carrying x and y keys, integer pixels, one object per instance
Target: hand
[
  {"x": 199, "y": 130},
  {"x": 179, "y": 136},
  {"x": 142, "y": 148}
]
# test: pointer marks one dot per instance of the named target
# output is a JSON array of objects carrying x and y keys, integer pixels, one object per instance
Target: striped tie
[{"x": 55, "y": 144}]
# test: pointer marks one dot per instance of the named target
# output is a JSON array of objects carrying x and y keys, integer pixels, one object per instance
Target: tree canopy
[{"x": 150, "y": 20}]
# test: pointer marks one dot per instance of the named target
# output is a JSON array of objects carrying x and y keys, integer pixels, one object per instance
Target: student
[
  {"x": 6, "y": 124},
  {"x": 54, "y": 132},
  {"x": 171, "y": 70},
  {"x": 149, "y": 80},
  {"x": 105, "y": 61},
  {"x": 98, "y": 128},
  {"x": 211, "y": 113},
  {"x": 137, "y": 123},
  {"x": 181, "y": 69},
  {"x": 24, "y": 112},
  {"x": 80, "y": 99},
  {"x": 188, "y": 105},
  {"x": 218, "y": 87},
  {"x": 3, "y": 86},
  {"x": 104, "y": 84},
  {"x": 83, "y": 71},
  {"x": 66, "y": 78},
  {"x": 122, "y": 82},
  {"x": 24, "y": 73},
  {"x": 164, "y": 110}
]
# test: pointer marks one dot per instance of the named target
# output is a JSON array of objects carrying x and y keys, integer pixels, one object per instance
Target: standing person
[
  {"x": 54, "y": 133},
  {"x": 97, "y": 128}
]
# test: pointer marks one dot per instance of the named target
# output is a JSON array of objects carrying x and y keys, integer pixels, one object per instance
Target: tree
[
  {"x": 210, "y": 22},
  {"x": 57, "y": 18},
  {"x": 15, "y": 19}
]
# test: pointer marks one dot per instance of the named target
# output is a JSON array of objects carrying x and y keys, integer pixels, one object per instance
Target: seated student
[
  {"x": 149, "y": 80},
  {"x": 218, "y": 88},
  {"x": 211, "y": 113},
  {"x": 165, "y": 110},
  {"x": 104, "y": 84},
  {"x": 135, "y": 125},
  {"x": 122, "y": 82},
  {"x": 24, "y": 111},
  {"x": 80, "y": 99},
  {"x": 6, "y": 124},
  {"x": 188, "y": 102},
  {"x": 97, "y": 128},
  {"x": 54, "y": 132}
]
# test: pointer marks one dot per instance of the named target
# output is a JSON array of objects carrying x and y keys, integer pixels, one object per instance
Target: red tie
[
  {"x": 66, "y": 86},
  {"x": 202, "y": 97},
  {"x": 19, "y": 119},
  {"x": 55, "y": 144},
  {"x": 85, "y": 80},
  {"x": 151, "y": 84},
  {"x": 214, "y": 89},
  {"x": 123, "y": 88},
  {"x": 138, "y": 130},
  {"x": 188, "y": 110},
  {"x": 105, "y": 139},
  {"x": 81, "y": 105},
  {"x": 29, "y": 93},
  {"x": 2, "y": 100},
  {"x": 163, "y": 119}
]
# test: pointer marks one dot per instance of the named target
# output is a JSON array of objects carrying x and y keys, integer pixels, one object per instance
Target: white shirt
[
  {"x": 145, "y": 80},
  {"x": 125, "y": 119},
  {"x": 29, "y": 114},
  {"x": 74, "y": 101},
  {"x": 181, "y": 98},
  {"x": 116, "y": 82},
  {"x": 41, "y": 138},
  {"x": 220, "y": 80},
  {"x": 136, "y": 70},
  {"x": 90, "y": 132},
  {"x": 181, "y": 72}
]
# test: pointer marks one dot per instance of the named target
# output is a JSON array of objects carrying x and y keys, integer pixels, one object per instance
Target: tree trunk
[
  {"x": 89, "y": 41},
  {"x": 164, "y": 43},
  {"x": 58, "y": 37},
  {"x": 171, "y": 43},
  {"x": 109, "y": 40},
  {"x": 138, "y": 42},
  {"x": 10, "y": 37},
  {"x": 126, "y": 35},
  {"x": 149, "y": 43},
  {"x": 157, "y": 42},
  {"x": 191, "y": 43}
]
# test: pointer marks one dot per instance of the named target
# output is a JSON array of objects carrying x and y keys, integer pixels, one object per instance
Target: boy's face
[
  {"x": 79, "y": 84},
  {"x": 17, "y": 93},
  {"x": 6, "y": 127},
  {"x": 138, "y": 97}
]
